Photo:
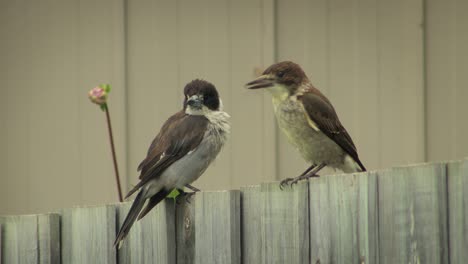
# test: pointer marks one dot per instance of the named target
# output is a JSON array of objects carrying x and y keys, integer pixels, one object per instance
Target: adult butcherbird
[
  {"x": 184, "y": 148},
  {"x": 308, "y": 120}
]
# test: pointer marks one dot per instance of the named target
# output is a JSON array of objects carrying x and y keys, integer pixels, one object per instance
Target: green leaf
[{"x": 174, "y": 194}]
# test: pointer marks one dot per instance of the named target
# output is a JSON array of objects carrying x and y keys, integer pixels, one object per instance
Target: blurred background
[{"x": 396, "y": 72}]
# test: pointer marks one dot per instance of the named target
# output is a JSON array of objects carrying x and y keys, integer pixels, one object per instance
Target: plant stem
[{"x": 111, "y": 137}]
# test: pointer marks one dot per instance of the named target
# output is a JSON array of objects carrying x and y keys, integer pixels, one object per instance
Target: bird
[
  {"x": 309, "y": 121},
  {"x": 182, "y": 150}
]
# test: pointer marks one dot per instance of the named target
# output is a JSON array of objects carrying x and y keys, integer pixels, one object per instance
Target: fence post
[
  {"x": 458, "y": 210},
  {"x": 88, "y": 235},
  {"x": 285, "y": 223},
  {"x": 343, "y": 219},
  {"x": 152, "y": 239},
  {"x": 413, "y": 214}
]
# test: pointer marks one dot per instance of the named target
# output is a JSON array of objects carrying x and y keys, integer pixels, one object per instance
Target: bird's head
[
  {"x": 201, "y": 97},
  {"x": 281, "y": 79}
]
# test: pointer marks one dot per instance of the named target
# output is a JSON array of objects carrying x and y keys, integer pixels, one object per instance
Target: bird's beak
[
  {"x": 195, "y": 101},
  {"x": 263, "y": 81}
]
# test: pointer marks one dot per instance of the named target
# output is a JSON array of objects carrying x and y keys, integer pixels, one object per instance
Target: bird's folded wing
[
  {"x": 322, "y": 114},
  {"x": 179, "y": 135}
]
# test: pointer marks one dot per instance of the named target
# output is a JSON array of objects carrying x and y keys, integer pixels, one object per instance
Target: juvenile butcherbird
[{"x": 308, "y": 120}]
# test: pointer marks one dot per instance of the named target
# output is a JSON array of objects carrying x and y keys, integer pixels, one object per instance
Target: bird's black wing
[
  {"x": 180, "y": 134},
  {"x": 322, "y": 114}
]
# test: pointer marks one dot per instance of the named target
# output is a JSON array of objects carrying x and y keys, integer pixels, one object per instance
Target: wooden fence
[{"x": 416, "y": 214}]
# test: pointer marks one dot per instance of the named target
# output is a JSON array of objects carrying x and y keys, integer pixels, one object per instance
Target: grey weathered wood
[
  {"x": 30, "y": 239},
  {"x": 458, "y": 211},
  {"x": 217, "y": 227},
  {"x": 413, "y": 214},
  {"x": 185, "y": 230},
  {"x": 88, "y": 235},
  {"x": 251, "y": 204},
  {"x": 49, "y": 238},
  {"x": 152, "y": 239},
  {"x": 285, "y": 223},
  {"x": 343, "y": 219}
]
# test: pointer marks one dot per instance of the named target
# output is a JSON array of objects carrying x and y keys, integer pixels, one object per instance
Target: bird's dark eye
[{"x": 280, "y": 74}]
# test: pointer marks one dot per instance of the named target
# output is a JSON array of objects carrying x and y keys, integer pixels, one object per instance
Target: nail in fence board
[
  {"x": 88, "y": 235},
  {"x": 343, "y": 219},
  {"x": 285, "y": 223},
  {"x": 413, "y": 214},
  {"x": 30, "y": 239},
  {"x": 217, "y": 227},
  {"x": 458, "y": 210},
  {"x": 251, "y": 204},
  {"x": 152, "y": 239}
]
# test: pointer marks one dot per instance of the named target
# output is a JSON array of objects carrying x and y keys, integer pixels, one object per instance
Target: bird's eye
[{"x": 280, "y": 74}]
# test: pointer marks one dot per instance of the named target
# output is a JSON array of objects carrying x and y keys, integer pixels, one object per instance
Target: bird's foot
[{"x": 292, "y": 181}]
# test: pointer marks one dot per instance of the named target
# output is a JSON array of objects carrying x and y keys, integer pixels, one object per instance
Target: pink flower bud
[{"x": 98, "y": 95}]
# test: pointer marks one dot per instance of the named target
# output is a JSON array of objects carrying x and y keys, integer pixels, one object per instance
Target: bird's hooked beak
[
  {"x": 263, "y": 81},
  {"x": 195, "y": 101}
]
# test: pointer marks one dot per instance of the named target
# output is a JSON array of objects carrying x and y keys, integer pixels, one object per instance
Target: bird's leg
[
  {"x": 189, "y": 194},
  {"x": 287, "y": 180},
  {"x": 312, "y": 173},
  {"x": 195, "y": 189}
]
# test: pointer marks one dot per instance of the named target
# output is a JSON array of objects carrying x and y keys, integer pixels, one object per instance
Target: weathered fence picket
[
  {"x": 30, "y": 239},
  {"x": 458, "y": 211},
  {"x": 343, "y": 219},
  {"x": 252, "y": 200},
  {"x": 152, "y": 239},
  {"x": 415, "y": 214},
  {"x": 285, "y": 223},
  {"x": 88, "y": 235},
  {"x": 217, "y": 227}
]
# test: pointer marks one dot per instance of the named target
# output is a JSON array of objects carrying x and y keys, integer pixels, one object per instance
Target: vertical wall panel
[
  {"x": 220, "y": 41},
  {"x": 55, "y": 148},
  {"x": 446, "y": 68},
  {"x": 366, "y": 56}
]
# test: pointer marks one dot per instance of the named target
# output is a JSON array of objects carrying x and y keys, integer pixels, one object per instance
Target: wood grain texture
[
  {"x": 185, "y": 230},
  {"x": 217, "y": 227},
  {"x": 344, "y": 219},
  {"x": 413, "y": 214},
  {"x": 30, "y": 239},
  {"x": 285, "y": 223},
  {"x": 152, "y": 239},
  {"x": 251, "y": 204},
  {"x": 88, "y": 235},
  {"x": 458, "y": 210}
]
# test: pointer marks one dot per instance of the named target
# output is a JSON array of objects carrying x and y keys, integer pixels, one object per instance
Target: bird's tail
[{"x": 131, "y": 217}]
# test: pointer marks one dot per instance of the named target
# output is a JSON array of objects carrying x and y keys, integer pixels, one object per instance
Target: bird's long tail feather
[{"x": 131, "y": 217}]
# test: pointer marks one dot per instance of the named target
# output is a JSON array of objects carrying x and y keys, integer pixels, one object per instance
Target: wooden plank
[
  {"x": 343, "y": 219},
  {"x": 152, "y": 239},
  {"x": 285, "y": 223},
  {"x": 30, "y": 239},
  {"x": 251, "y": 224},
  {"x": 185, "y": 230},
  {"x": 413, "y": 214},
  {"x": 217, "y": 227},
  {"x": 49, "y": 238},
  {"x": 88, "y": 235},
  {"x": 458, "y": 210}
]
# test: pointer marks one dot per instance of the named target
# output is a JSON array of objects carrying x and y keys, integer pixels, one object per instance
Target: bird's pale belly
[{"x": 314, "y": 146}]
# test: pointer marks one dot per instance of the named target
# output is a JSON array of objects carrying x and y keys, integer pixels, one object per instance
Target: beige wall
[{"x": 365, "y": 55}]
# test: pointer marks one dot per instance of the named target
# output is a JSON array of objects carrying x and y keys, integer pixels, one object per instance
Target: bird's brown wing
[
  {"x": 322, "y": 114},
  {"x": 180, "y": 134}
]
